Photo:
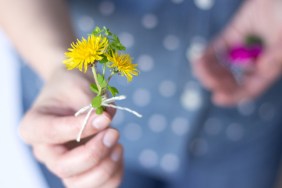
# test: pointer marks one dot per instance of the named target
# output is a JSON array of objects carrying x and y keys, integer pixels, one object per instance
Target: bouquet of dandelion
[{"x": 101, "y": 48}]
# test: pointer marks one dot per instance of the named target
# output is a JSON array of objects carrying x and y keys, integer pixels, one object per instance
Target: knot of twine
[{"x": 106, "y": 102}]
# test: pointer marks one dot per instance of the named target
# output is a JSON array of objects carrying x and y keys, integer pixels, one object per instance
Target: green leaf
[
  {"x": 121, "y": 47},
  {"x": 116, "y": 39},
  {"x": 101, "y": 80},
  {"x": 107, "y": 31},
  {"x": 96, "y": 102},
  {"x": 104, "y": 60},
  {"x": 114, "y": 91},
  {"x": 253, "y": 40},
  {"x": 96, "y": 31},
  {"x": 115, "y": 43},
  {"x": 99, "y": 110},
  {"x": 118, "y": 46},
  {"x": 94, "y": 88}
]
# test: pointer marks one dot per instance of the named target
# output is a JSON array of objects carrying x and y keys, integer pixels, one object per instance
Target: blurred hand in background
[{"x": 259, "y": 17}]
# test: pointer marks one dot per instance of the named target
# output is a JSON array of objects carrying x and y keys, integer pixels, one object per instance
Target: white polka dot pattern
[
  {"x": 132, "y": 131},
  {"x": 169, "y": 163},
  {"x": 86, "y": 23},
  {"x": 204, "y": 4},
  {"x": 191, "y": 99},
  {"x": 167, "y": 88},
  {"x": 234, "y": 132},
  {"x": 145, "y": 63},
  {"x": 196, "y": 49},
  {"x": 127, "y": 39},
  {"x": 149, "y": 21},
  {"x": 180, "y": 126},
  {"x": 148, "y": 158},
  {"x": 141, "y": 97},
  {"x": 107, "y": 8},
  {"x": 157, "y": 123},
  {"x": 171, "y": 42}
]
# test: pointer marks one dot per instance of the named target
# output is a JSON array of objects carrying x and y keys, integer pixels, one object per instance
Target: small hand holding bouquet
[
  {"x": 242, "y": 58},
  {"x": 101, "y": 48}
]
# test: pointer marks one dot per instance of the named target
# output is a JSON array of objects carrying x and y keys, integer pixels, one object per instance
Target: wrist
[{"x": 50, "y": 62}]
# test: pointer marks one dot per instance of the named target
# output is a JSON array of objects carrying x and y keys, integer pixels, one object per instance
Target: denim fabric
[{"x": 183, "y": 140}]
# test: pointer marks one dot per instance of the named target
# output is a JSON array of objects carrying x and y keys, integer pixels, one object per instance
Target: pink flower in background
[
  {"x": 244, "y": 54},
  {"x": 241, "y": 58}
]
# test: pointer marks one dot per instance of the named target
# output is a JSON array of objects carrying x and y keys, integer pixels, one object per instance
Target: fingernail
[
  {"x": 110, "y": 138},
  {"x": 115, "y": 156},
  {"x": 101, "y": 122}
]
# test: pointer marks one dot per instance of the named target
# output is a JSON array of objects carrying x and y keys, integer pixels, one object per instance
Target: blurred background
[{"x": 195, "y": 138}]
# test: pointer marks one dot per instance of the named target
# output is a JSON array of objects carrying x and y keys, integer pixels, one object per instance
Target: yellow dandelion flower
[
  {"x": 123, "y": 64},
  {"x": 85, "y": 52}
]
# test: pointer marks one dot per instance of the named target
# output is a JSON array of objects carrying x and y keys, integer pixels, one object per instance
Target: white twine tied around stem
[{"x": 106, "y": 103}]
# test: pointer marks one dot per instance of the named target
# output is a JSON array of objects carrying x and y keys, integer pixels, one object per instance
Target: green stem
[
  {"x": 104, "y": 69},
  {"x": 110, "y": 77},
  {"x": 96, "y": 79}
]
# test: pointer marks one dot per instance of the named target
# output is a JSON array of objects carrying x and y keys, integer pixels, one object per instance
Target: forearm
[{"x": 40, "y": 30}]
